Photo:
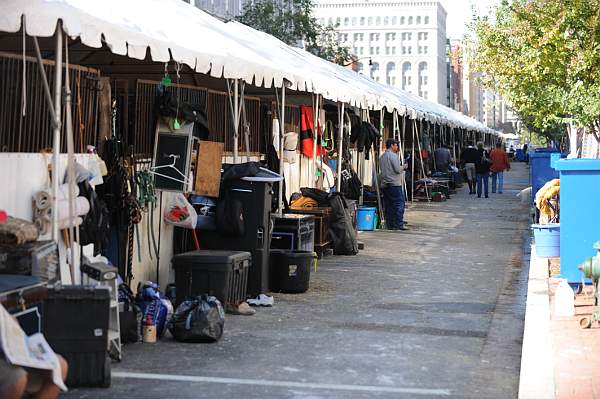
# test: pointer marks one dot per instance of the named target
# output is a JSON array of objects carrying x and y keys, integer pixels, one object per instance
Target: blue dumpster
[
  {"x": 520, "y": 155},
  {"x": 540, "y": 171},
  {"x": 579, "y": 214}
]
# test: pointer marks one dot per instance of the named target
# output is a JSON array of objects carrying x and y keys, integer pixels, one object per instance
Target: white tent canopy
[{"x": 173, "y": 29}]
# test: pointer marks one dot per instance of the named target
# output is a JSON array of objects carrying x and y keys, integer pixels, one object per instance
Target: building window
[
  {"x": 362, "y": 21},
  {"x": 420, "y": 50},
  {"x": 419, "y": 20},
  {"x": 356, "y": 37},
  {"x": 346, "y": 21},
  {"x": 394, "y": 20},
  {"x": 375, "y": 71},
  {"x": 393, "y": 50},
  {"x": 426, "y": 20},
  {"x": 406, "y": 78},
  {"x": 370, "y": 21},
  {"x": 361, "y": 50},
  {"x": 360, "y": 67},
  {"x": 422, "y": 77},
  {"x": 425, "y": 95},
  {"x": 337, "y": 21},
  {"x": 410, "y": 20},
  {"x": 371, "y": 50},
  {"x": 390, "y": 36},
  {"x": 377, "y": 50},
  {"x": 353, "y": 21},
  {"x": 425, "y": 49},
  {"x": 403, "y": 50},
  {"x": 378, "y": 21},
  {"x": 390, "y": 70},
  {"x": 386, "y": 20},
  {"x": 409, "y": 48},
  {"x": 402, "y": 20}
]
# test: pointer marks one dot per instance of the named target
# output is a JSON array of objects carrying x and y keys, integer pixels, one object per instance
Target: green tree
[
  {"x": 292, "y": 22},
  {"x": 543, "y": 57}
]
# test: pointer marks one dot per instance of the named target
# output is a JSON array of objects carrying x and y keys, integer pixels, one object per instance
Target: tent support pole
[
  {"x": 421, "y": 156},
  {"x": 57, "y": 127},
  {"x": 340, "y": 144},
  {"x": 313, "y": 180},
  {"x": 236, "y": 118},
  {"x": 412, "y": 168},
  {"x": 282, "y": 121}
]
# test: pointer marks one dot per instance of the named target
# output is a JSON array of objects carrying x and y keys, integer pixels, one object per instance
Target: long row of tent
[{"x": 173, "y": 30}]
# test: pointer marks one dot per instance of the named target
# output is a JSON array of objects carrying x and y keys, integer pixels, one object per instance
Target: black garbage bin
[{"x": 290, "y": 270}]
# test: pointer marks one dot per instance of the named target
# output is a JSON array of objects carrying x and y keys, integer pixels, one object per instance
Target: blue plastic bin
[
  {"x": 540, "y": 171},
  {"x": 547, "y": 239},
  {"x": 520, "y": 155},
  {"x": 579, "y": 214},
  {"x": 365, "y": 219}
]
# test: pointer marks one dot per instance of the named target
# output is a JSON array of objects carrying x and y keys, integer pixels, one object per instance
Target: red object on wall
[
  {"x": 3, "y": 217},
  {"x": 306, "y": 132}
]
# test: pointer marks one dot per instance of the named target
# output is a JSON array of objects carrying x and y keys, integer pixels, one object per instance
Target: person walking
[
  {"x": 442, "y": 158},
  {"x": 482, "y": 168},
  {"x": 392, "y": 179},
  {"x": 500, "y": 163},
  {"x": 469, "y": 157}
]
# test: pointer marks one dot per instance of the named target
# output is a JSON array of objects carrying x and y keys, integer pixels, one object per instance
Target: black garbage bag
[
  {"x": 199, "y": 319},
  {"x": 340, "y": 227}
]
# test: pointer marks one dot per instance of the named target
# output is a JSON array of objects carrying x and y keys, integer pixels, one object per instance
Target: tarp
[{"x": 173, "y": 28}]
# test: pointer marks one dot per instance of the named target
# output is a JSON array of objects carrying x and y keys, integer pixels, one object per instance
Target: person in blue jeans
[
  {"x": 392, "y": 179},
  {"x": 482, "y": 169},
  {"x": 500, "y": 163}
]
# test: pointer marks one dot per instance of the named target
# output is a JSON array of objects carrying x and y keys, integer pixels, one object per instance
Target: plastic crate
[
  {"x": 76, "y": 326},
  {"x": 223, "y": 274}
]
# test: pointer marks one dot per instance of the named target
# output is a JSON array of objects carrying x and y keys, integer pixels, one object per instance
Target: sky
[{"x": 459, "y": 14}]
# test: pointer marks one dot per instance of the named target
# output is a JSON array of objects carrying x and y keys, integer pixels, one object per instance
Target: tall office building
[{"x": 401, "y": 43}]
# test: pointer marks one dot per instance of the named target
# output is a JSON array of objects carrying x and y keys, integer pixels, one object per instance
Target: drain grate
[
  {"x": 440, "y": 307},
  {"x": 400, "y": 329}
]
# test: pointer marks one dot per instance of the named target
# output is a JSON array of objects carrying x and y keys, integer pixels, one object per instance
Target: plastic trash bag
[
  {"x": 200, "y": 319},
  {"x": 180, "y": 213}
]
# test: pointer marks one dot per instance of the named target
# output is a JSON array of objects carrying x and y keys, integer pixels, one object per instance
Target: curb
[{"x": 537, "y": 362}]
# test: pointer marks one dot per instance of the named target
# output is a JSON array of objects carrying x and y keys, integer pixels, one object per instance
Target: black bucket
[{"x": 290, "y": 270}]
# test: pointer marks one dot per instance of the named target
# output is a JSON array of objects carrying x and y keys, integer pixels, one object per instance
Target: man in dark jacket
[
  {"x": 469, "y": 158},
  {"x": 482, "y": 167}
]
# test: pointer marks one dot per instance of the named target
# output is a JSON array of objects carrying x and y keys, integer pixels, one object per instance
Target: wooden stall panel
[{"x": 208, "y": 168}]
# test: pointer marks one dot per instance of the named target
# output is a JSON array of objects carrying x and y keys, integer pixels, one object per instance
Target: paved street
[{"x": 434, "y": 312}]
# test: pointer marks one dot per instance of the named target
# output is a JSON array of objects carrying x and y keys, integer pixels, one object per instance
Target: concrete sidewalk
[
  {"x": 436, "y": 311},
  {"x": 559, "y": 359}
]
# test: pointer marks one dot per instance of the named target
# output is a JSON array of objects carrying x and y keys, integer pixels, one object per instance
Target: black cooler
[{"x": 223, "y": 274}]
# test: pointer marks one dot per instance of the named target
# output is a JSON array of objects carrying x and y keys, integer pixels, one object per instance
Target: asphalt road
[{"x": 433, "y": 312}]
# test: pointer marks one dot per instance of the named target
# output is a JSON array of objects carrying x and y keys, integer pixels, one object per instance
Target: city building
[
  {"x": 456, "y": 78},
  {"x": 401, "y": 43}
]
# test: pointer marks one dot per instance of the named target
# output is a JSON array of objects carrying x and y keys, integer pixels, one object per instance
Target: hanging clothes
[
  {"x": 364, "y": 135},
  {"x": 307, "y": 132}
]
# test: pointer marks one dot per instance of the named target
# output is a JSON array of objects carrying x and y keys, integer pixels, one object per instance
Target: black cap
[{"x": 390, "y": 142}]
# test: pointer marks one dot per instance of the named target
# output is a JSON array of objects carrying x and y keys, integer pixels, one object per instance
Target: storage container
[
  {"x": 37, "y": 258},
  {"x": 321, "y": 215},
  {"x": 76, "y": 326},
  {"x": 541, "y": 172},
  {"x": 290, "y": 270},
  {"x": 223, "y": 274},
  {"x": 547, "y": 239},
  {"x": 294, "y": 232},
  {"x": 579, "y": 214},
  {"x": 23, "y": 297},
  {"x": 365, "y": 218},
  {"x": 256, "y": 198}
]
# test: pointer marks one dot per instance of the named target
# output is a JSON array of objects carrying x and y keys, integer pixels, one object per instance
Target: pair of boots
[{"x": 471, "y": 186}]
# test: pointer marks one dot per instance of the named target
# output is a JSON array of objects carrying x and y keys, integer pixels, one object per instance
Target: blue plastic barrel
[
  {"x": 365, "y": 218},
  {"x": 547, "y": 239},
  {"x": 579, "y": 214},
  {"x": 520, "y": 155},
  {"x": 541, "y": 172}
]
